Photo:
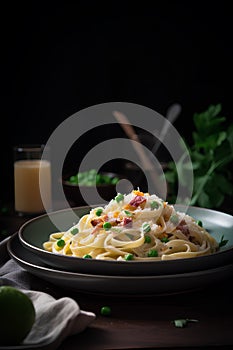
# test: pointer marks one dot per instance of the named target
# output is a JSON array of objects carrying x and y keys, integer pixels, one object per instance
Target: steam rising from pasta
[{"x": 138, "y": 227}]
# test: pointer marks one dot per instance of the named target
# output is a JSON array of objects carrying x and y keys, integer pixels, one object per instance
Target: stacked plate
[{"x": 121, "y": 277}]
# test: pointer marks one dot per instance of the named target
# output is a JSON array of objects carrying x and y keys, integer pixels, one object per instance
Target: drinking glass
[{"x": 32, "y": 179}]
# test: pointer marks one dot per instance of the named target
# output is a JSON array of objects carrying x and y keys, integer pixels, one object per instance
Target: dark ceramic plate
[
  {"x": 36, "y": 231},
  {"x": 116, "y": 285}
]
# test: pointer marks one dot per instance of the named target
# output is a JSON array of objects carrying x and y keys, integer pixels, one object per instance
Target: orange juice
[{"x": 32, "y": 176}]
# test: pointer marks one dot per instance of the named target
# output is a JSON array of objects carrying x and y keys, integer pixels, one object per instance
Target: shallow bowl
[
  {"x": 36, "y": 231},
  {"x": 79, "y": 195}
]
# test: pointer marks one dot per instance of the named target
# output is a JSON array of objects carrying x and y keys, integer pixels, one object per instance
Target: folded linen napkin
[{"x": 56, "y": 319}]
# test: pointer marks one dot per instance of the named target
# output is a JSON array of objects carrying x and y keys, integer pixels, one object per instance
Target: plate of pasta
[
  {"x": 134, "y": 234},
  {"x": 120, "y": 285}
]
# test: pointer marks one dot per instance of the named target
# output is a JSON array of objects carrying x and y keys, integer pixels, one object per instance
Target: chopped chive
[
  {"x": 74, "y": 231},
  {"x": 222, "y": 242},
  {"x": 199, "y": 222},
  {"x": 128, "y": 213},
  {"x": 180, "y": 323}
]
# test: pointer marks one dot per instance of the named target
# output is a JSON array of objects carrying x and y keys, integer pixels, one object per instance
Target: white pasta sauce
[{"x": 135, "y": 226}]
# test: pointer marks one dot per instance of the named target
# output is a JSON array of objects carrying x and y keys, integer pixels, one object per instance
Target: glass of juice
[{"x": 32, "y": 179}]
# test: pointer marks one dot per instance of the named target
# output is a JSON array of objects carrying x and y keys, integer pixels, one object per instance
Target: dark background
[{"x": 58, "y": 58}]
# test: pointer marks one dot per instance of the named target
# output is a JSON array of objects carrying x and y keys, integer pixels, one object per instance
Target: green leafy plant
[{"x": 211, "y": 153}]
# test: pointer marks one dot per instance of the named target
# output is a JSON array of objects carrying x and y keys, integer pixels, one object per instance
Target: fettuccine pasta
[{"x": 135, "y": 226}]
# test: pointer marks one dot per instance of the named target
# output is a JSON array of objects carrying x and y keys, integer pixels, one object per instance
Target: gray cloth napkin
[{"x": 56, "y": 319}]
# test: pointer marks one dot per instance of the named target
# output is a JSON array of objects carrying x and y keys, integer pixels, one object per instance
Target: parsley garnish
[
  {"x": 180, "y": 323},
  {"x": 222, "y": 242}
]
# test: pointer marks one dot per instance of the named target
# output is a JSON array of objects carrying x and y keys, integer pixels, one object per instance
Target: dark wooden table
[{"x": 145, "y": 322}]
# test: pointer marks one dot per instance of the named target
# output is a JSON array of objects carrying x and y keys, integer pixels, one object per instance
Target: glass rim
[{"x": 29, "y": 147}]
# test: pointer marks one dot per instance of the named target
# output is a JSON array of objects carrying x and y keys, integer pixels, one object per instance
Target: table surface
[{"x": 146, "y": 322}]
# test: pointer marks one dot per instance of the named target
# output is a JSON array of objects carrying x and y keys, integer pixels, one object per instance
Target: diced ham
[
  {"x": 127, "y": 222},
  {"x": 137, "y": 201},
  {"x": 96, "y": 222},
  {"x": 99, "y": 221}
]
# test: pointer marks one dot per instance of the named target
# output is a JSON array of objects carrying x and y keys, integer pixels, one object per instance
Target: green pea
[
  {"x": 146, "y": 227},
  {"x": 199, "y": 222},
  {"x": 87, "y": 256},
  {"x": 147, "y": 239},
  {"x": 152, "y": 253},
  {"x": 99, "y": 212},
  {"x": 61, "y": 243},
  {"x": 107, "y": 226},
  {"x": 106, "y": 311},
  {"x": 74, "y": 231},
  {"x": 129, "y": 256},
  {"x": 154, "y": 205},
  {"x": 119, "y": 197},
  {"x": 174, "y": 219}
]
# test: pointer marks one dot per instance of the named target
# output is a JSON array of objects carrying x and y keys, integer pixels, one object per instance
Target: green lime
[{"x": 17, "y": 315}]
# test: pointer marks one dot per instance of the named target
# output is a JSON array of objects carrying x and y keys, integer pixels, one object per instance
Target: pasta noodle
[{"x": 135, "y": 226}]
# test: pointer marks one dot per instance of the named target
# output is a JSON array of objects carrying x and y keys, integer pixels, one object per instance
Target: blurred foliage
[{"x": 211, "y": 154}]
